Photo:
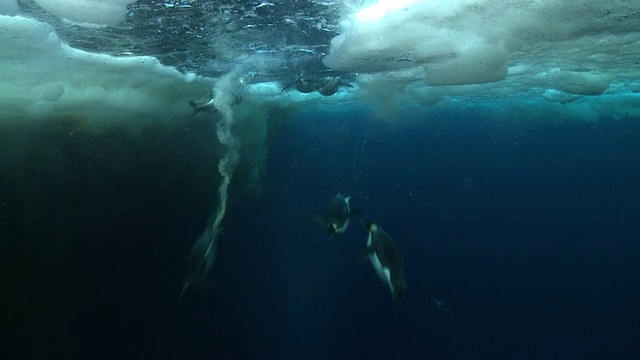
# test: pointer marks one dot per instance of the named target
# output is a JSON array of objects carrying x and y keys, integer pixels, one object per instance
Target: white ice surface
[{"x": 88, "y": 12}]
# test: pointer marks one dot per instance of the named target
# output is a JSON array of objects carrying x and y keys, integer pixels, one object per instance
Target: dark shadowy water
[{"x": 520, "y": 241}]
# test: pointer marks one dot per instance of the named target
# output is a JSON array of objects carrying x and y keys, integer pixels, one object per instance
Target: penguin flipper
[
  {"x": 196, "y": 109},
  {"x": 286, "y": 86},
  {"x": 365, "y": 254}
]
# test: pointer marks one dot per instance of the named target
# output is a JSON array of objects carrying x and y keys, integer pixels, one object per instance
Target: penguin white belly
[
  {"x": 343, "y": 228},
  {"x": 383, "y": 272}
]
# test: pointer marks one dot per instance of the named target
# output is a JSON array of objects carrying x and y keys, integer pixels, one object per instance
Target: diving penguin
[
  {"x": 337, "y": 217},
  {"x": 200, "y": 262},
  {"x": 385, "y": 258},
  {"x": 304, "y": 84},
  {"x": 329, "y": 85},
  {"x": 206, "y": 103}
]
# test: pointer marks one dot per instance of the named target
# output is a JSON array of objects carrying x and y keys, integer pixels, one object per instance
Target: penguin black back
[{"x": 386, "y": 260}]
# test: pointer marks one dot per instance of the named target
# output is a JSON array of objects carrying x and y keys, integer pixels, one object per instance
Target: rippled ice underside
[{"x": 550, "y": 59}]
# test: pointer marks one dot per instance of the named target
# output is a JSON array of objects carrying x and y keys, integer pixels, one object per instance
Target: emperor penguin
[
  {"x": 383, "y": 253},
  {"x": 206, "y": 103},
  {"x": 200, "y": 262},
  {"x": 303, "y": 84},
  {"x": 338, "y": 215},
  {"x": 329, "y": 85}
]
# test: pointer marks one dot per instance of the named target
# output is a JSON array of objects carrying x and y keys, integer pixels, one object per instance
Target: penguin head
[{"x": 370, "y": 226}]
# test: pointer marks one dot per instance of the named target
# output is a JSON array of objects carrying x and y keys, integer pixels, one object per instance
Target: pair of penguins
[{"x": 381, "y": 249}]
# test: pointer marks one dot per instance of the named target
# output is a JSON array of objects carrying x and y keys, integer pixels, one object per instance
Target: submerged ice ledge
[
  {"x": 42, "y": 76},
  {"x": 551, "y": 50}
]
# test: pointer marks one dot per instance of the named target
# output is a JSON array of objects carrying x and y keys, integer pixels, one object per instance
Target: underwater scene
[{"x": 319, "y": 179}]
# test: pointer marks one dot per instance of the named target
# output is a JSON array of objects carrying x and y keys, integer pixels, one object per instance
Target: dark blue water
[{"x": 520, "y": 241}]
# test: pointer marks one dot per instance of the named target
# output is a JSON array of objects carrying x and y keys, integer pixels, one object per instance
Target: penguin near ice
[
  {"x": 383, "y": 253},
  {"x": 304, "y": 84},
  {"x": 329, "y": 85},
  {"x": 206, "y": 103}
]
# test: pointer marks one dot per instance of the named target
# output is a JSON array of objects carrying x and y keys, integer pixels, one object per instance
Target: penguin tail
[{"x": 399, "y": 294}]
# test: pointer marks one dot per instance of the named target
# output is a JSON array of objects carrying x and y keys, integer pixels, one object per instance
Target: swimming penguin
[
  {"x": 385, "y": 258},
  {"x": 338, "y": 215},
  {"x": 303, "y": 84},
  {"x": 200, "y": 262},
  {"x": 336, "y": 219},
  {"x": 206, "y": 103},
  {"x": 329, "y": 85}
]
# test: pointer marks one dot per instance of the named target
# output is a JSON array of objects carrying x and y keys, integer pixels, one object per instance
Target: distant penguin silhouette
[{"x": 383, "y": 253}]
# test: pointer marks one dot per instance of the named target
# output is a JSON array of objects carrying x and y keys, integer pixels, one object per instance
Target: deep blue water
[{"x": 520, "y": 241}]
